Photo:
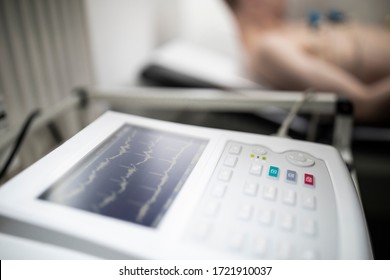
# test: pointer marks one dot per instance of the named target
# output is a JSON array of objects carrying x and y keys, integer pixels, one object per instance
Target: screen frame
[
  {"x": 70, "y": 180},
  {"x": 23, "y": 204}
]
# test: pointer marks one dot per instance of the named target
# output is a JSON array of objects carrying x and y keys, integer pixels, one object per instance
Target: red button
[{"x": 309, "y": 179}]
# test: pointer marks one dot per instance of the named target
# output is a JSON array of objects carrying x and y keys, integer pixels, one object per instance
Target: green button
[{"x": 273, "y": 171}]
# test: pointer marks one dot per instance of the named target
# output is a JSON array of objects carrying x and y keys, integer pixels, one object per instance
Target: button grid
[{"x": 269, "y": 205}]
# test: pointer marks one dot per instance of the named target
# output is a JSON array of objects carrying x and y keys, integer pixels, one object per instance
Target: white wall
[
  {"x": 122, "y": 34},
  {"x": 209, "y": 23}
]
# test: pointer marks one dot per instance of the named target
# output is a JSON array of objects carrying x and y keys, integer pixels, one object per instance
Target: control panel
[{"x": 263, "y": 204}]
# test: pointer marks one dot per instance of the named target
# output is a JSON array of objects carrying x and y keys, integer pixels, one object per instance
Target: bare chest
[{"x": 364, "y": 52}]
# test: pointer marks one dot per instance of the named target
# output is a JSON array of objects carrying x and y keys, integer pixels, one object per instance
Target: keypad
[{"x": 263, "y": 204}]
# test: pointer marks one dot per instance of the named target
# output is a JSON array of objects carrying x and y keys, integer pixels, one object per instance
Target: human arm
[{"x": 377, "y": 103}]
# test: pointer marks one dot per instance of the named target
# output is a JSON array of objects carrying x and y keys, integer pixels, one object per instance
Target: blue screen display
[{"x": 134, "y": 175}]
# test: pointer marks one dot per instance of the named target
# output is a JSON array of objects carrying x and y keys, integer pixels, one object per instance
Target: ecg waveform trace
[{"x": 133, "y": 176}]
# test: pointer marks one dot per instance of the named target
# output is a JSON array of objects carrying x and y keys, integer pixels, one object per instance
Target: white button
[
  {"x": 236, "y": 241},
  {"x": 202, "y": 230},
  {"x": 300, "y": 159},
  {"x": 251, "y": 189},
  {"x": 235, "y": 149},
  {"x": 225, "y": 175},
  {"x": 291, "y": 176},
  {"x": 245, "y": 212},
  {"x": 308, "y": 179},
  {"x": 309, "y": 162},
  {"x": 259, "y": 151},
  {"x": 287, "y": 222},
  {"x": 310, "y": 254},
  {"x": 309, "y": 227},
  {"x": 260, "y": 246},
  {"x": 211, "y": 209},
  {"x": 289, "y": 197},
  {"x": 219, "y": 191},
  {"x": 230, "y": 161},
  {"x": 285, "y": 250},
  {"x": 309, "y": 202},
  {"x": 256, "y": 169},
  {"x": 266, "y": 216},
  {"x": 269, "y": 192}
]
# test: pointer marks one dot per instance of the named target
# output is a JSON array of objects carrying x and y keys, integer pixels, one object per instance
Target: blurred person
[{"x": 350, "y": 59}]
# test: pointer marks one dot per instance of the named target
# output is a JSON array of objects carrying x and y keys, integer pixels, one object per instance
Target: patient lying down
[{"x": 350, "y": 59}]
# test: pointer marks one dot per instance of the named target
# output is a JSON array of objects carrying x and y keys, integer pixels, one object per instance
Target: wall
[
  {"x": 209, "y": 23},
  {"x": 122, "y": 33}
]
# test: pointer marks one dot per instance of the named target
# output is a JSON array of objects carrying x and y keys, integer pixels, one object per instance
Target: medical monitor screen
[{"x": 133, "y": 176}]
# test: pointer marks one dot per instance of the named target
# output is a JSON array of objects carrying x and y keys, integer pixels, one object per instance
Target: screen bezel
[
  {"x": 22, "y": 192},
  {"x": 70, "y": 180}
]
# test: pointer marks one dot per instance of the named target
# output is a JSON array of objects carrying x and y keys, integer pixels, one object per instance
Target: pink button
[{"x": 309, "y": 179}]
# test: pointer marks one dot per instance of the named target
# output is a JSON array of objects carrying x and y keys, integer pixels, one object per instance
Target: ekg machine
[{"x": 132, "y": 187}]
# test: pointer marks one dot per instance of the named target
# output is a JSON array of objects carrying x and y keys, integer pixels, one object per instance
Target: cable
[
  {"x": 55, "y": 132},
  {"x": 19, "y": 140},
  {"x": 283, "y": 129}
]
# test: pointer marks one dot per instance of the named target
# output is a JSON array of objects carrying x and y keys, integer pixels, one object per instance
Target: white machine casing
[{"x": 22, "y": 214}]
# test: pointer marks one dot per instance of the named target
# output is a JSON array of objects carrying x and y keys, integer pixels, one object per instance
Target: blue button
[
  {"x": 291, "y": 176},
  {"x": 273, "y": 171}
]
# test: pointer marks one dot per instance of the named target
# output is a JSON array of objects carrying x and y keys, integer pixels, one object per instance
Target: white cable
[{"x": 283, "y": 129}]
